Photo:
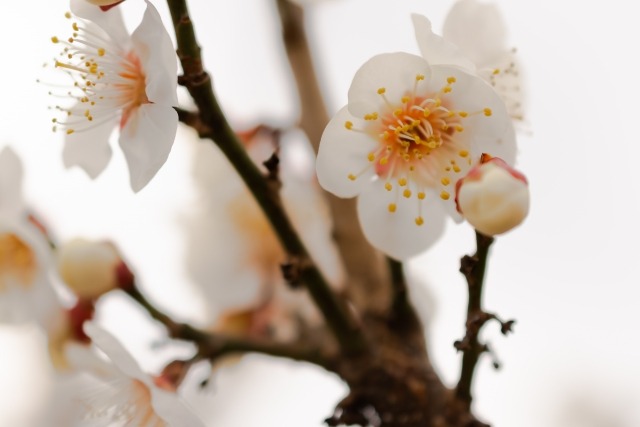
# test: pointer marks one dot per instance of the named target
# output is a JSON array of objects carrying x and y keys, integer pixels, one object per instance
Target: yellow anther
[
  {"x": 385, "y": 135},
  {"x": 55, "y": 39},
  {"x": 456, "y": 168},
  {"x": 463, "y": 153},
  {"x": 381, "y": 91},
  {"x": 419, "y": 221},
  {"x": 438, "y": 102},
  {"x": 451, "y": 80},
  {"x": 426, "y": 112},
  {"x": 69, "y": 131},
  {"x": 446, "y": 89},
  {"x": 445, "y": 180},
  {"x": 411, "y": 168},
  {"x": 384, "y": 161},
  {"x": 388, "y": 186},
  {"x": 101, "y": 52},
  {"x": 75, "y": 26},
  {"x": 451, "y": 114},
  {"x": 448, "y": 168},
  {"x": 421, "y": 195},
  {"x": 406, "y": 157},
  {"x": 459, "y": 129},
  {"x": 70, "y": 39},
  {"x": 496, "y": 71},
  {"x": 371, "y": 157},
  {"x": 392, "y": 207},
  {"x": 406, "y": 193},
  {"x": 444, "y": 195},
  {"x": 405, "y": 99},
  {"x": 402, "y": 182},
  {"x": 397, "y": 112},
  {"x": 463, "y": 113},
  {"x": 487, "y": 112},
  {"x": 67, "y": 15},
  {"x": 348, "y": 125},
  {"x": 419, "y": 77},
  {"x": 352, "y": 177}
]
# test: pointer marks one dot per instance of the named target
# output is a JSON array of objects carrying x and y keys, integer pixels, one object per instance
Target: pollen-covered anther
[
  {"x": 445, "y": 181},
  {"x": 487, "y": 112},
  {"x": 406, "y": 193},
  {"x": 444, "y": 195},
  {"x": 402, "y": 182},
  {"x": 352, "y": 177},
  {"x": 392, "y": 207},
  {"x": 421, "y": 195},
  {"x": 348, "y": 125},
  {"x": 419, "y": 221},
  {"x": 388, "y": 186}
]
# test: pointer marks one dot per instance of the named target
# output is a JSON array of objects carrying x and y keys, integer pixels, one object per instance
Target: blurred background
[{"x": 566, "y": 275}]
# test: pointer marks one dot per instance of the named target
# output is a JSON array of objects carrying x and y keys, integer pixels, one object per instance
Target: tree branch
[{"x": 340, "y": 320}]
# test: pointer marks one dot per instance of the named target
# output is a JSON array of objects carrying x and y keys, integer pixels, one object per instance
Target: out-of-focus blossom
[
  {"x": 493, "y": 197},
  {"x": 105, "y": 4},
  {"x": 411, "y": 129},
  {"x": 120, "y": 80},
  {"x": 478, "y": 32},
  {"x": 121, "y": 394},
  {"x": 236, "y": 259},
  {"x": 89, "y": 268},
  {"x": 65, "y": 329},
  {"x": 25, "y": 257}
]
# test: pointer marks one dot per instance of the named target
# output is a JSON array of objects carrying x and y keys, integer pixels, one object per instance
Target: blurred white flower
[
  {"x": 25, "y": 256},
  {"x": 493, "y": 197},
  {"x": 120, "y": 394},
  {"x": 89, "y": 268},
  {"x": 478, "y": 32},
  {"x": 118, "y": 79},
  {"x": 410, "y": 130},
  {"x": 234, "y": 255}
]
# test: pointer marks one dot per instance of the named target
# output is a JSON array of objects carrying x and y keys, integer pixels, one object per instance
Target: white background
[{"x": 569, "y": 275}]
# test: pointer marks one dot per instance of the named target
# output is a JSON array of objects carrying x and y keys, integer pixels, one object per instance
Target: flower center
[
  {"x": 108, "y": 82},
  {"x": 18, "y": 264},
  {"x": 420, "y": 145}
]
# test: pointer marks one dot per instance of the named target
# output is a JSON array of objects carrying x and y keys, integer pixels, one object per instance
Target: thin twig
[
  {"x": 473, "y": 268},
  {"x": 340, "y": 319}
]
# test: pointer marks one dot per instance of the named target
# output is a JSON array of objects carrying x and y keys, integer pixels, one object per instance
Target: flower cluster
[{"x": 412, "y": 128}]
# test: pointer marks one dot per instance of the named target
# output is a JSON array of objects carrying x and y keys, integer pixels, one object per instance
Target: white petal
[
  {"x": 89, "y": 149},
  {"x": 494, "y": 134},
  {"x": 110, "y": 21},
  {"x": 173, "y": 410},
  {"x": 158, "y": 58},
  {"x": 395, "y": 72},
  {"x": 435, "y": 49},
  {"x": 477, "y": 29},
  {"x": 397, "y": 234},
  {"x": 146, "y": 141},
  {"x": 343, "y": 152},
  {"x": 114, "y": 351},
  {"x": 11, "y": 174}
]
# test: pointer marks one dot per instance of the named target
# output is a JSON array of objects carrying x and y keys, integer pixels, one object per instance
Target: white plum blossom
[
  {"x": 410, "y": 130},
  {"x": 122, "y": 80},
  {"x": 121, "y": 394},
  {"x": 493, "y": 197},
  {"x": 476, "y": 30},
  {"x": 25, "y": 256}
]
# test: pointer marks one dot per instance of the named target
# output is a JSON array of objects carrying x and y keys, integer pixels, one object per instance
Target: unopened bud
[
  {"x": 493, "y": 197},
  {"x": 90, "y": 269}
]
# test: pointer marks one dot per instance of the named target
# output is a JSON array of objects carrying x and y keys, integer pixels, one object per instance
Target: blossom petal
[
  {"x": 11, "y": 174},
  {"x": 344, "y": 152},
  {"x": 395, "y": 72},
  {"x": 146, "y": 141},
  {"x": 90, "y": 149},
  {"x": 114, "y": 351},
  {"x": 477, "y": 29},
  {"x": 111, "y": 21},
  {"x": 397, "y": 234},
  {"x": 494, "y": 134},
  {"x": 435, "y": 49},
  {"x": 173, "y": 410},
  {"x": 158, "y": 58}
]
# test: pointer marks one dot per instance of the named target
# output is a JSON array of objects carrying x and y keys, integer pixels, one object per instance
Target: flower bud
[
  {"x": 90, "y": 269},
  {"x": 493, "y": 197}
]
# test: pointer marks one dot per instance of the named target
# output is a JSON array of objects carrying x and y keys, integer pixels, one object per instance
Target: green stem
[
  {"x": 338, "y": 317},
  {"x": 473, "y": 268}
]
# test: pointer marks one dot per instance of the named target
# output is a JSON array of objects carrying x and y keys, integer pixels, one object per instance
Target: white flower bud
[
  {"x": 493, "y": 197},
  {"x": 90, "y": 269}
]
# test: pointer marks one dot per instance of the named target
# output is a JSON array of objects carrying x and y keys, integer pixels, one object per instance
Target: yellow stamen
[
  {"x": 444, "y": 195},
  {"x": 392, "y": 207}
]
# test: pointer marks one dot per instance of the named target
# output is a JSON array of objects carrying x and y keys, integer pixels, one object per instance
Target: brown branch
[
  {"x": 339, "y": 318},
  {"x": 473, "y": 268},
  {"x": 213, "y": 346},
  {"x": 368, "y": 276}
]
